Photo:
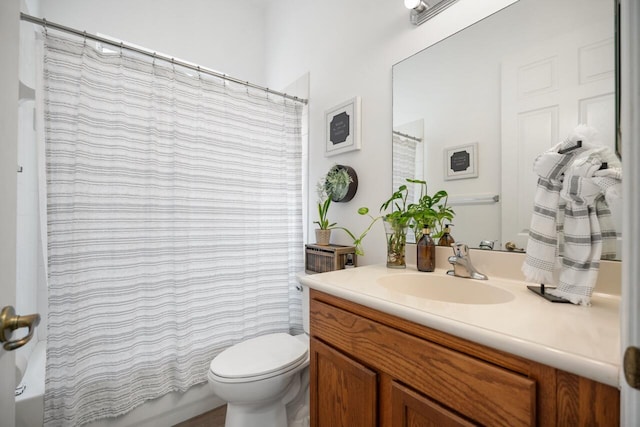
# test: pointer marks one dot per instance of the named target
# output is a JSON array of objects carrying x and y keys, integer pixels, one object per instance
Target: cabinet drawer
[{"x": 480, "y": 391}]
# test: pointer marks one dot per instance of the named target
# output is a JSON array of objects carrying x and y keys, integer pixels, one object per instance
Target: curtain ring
[
  {"x": 121, "y": 45},
  {"x": 154, "y": 59},
  {"x": 84, "y": 40},
  {"x": 44, "y": 20}
]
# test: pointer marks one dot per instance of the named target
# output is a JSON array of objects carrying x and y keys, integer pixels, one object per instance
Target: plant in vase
[
  {"x": 429, "y": 211},
  {"x": 396, "y": 226}
]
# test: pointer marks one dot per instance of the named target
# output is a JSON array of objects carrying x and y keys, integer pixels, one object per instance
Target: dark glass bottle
[
  {"x": 446, "y": 239},
  {"x": 426, "y": 247}
]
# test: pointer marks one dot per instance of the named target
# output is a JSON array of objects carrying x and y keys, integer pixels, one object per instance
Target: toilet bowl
[{"x": 260, "y": 376}]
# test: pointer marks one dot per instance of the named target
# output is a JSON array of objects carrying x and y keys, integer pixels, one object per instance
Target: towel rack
[
  {"x": 540, "y": 290},
  {"x": 570, "y": 149},
  {"x": 478, "y": 199}
]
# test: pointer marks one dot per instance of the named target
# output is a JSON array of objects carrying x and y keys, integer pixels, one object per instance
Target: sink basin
[{"x": 445, "y": 288}]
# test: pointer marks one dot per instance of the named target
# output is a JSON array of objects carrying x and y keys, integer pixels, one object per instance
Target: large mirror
[{"x": 495, "y": 95}]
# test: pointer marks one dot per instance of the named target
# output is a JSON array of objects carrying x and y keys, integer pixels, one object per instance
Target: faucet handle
[{"x": 460, "y": 249}]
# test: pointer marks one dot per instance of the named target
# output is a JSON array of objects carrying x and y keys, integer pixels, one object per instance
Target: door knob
[
  {"x": 631, "y": 365},
  {"x": 9, "y": 322}
]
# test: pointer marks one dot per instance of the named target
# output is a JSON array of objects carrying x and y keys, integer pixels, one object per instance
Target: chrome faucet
[
  {"x": 487, "y": 244},
  {"x": 461, "y": 262}
]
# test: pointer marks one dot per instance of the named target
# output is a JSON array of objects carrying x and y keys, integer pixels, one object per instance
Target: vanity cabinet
[{"x": 369, "y": 368}]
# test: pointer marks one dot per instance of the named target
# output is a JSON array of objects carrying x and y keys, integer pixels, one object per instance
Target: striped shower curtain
[
  {"x": 404, "y": 164},
  {"x": 174, "y": 225}
]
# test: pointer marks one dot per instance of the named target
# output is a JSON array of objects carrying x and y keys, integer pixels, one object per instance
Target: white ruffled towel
[{"x": 571, "y": 222}]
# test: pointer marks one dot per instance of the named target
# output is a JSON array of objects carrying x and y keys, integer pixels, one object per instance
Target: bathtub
[
  {"x": 165, "y": 411},
  {"x": 30, "y": 404}
]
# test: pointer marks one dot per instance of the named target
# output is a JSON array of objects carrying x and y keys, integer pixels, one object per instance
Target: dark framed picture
[
  {"x": 342, "y": 127},
  {"x": 461, "y": 162}
]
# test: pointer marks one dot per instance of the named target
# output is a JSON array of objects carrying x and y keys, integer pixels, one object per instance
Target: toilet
[{"x": 260, "y": 376}]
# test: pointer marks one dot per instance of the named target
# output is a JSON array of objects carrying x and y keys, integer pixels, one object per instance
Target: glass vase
[{"x": 396, "y": 242}]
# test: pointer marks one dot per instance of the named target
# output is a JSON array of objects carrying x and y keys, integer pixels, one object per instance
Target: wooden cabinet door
[
  {"x": 343, "y": 392},
  {"x": 411, "y": 409}
]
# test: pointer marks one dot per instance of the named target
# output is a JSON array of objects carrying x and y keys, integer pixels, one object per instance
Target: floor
[{"x": 213, "y": 418}]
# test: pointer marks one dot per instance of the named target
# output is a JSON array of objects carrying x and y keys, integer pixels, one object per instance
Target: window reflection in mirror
[{"x": 515, "y": 83}]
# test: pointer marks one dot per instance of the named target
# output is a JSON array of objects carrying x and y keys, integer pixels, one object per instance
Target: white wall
[
  {"x": 9, "y": 33},
  {"x": 31, "y": 291},
  {"x": 225, "y": 35},
  {"x": 349, "y": 47}
]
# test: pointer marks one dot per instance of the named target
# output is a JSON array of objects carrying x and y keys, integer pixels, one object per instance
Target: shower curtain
[
  {"x": 174, "y": 225},
  {"x": 404, "y": 164}
]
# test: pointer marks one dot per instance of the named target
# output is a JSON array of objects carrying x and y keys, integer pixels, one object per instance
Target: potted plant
[
  {"x": 335, "y": 186},
  {"x": 323, "y": 232},
  {"x": 431, "y": 211}
]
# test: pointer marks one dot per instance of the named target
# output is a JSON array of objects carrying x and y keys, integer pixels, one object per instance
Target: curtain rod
[
  {"x": 47, "y": 24},
  {"x": 406, "y": 135}
]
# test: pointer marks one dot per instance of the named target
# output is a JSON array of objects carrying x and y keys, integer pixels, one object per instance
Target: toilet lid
[{"x": 259, "y": 356}]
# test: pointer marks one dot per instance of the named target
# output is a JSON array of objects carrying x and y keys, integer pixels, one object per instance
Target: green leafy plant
[
  {"x": 431, "y": 211},
  {"x": 323, "y": 209},
  {"x": 399, "y": 217},
  {"x": 400, "y": 214},
  {"x": 336, "y": 182},
  {"x": 357, "y": 241},
  {"x": 333, "y": 186},
  {"x": 324, "y": 202}
]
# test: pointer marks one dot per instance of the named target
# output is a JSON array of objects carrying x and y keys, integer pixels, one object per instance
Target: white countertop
[{"x": 582, "y": 340}]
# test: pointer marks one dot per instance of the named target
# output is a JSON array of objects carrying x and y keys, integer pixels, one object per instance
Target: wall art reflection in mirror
[{"x": 461, "y": 162}]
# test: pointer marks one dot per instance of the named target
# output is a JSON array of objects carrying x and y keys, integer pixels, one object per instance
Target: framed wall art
[
  {"x": 342, "y": 127},
  {"x": 461, "y": 162}
]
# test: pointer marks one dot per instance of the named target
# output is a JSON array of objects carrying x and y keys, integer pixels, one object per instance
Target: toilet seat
[{"x": 258, "y": 358}]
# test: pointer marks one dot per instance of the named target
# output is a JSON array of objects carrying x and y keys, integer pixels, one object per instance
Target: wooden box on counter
[{"x": 319, "y": 258}]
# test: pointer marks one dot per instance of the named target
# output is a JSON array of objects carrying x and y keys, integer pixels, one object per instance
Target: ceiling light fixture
[
  {"x": 422, "y": 10},
  {"x": 417, "y": 5}
]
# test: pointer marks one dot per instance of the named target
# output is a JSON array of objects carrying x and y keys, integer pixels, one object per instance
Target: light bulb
[{"x": 411, "y": 4}]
